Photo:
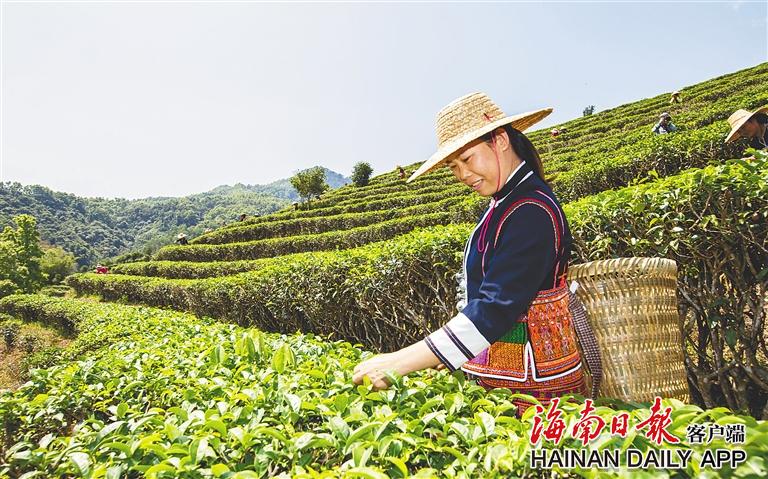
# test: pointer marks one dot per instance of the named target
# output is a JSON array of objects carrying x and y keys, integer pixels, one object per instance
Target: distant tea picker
[
  {"x": 750, "y": 125},
  {"x": 515, "y": 328}
]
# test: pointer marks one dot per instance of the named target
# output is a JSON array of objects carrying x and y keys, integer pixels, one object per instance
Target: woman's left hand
[{"x": 374, "y": 368}]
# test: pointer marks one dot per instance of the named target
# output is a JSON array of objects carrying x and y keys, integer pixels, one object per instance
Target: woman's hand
[
  {"x": 374, "y": 368},
  {"x": 413, "y": 358}
]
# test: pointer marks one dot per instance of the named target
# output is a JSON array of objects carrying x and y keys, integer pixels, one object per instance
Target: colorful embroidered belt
[{"x": 539, "y": 355}]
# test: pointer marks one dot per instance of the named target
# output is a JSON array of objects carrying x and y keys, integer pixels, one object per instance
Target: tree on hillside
[
  {"x": 56, "y": 264},
  {"x": 361, "y": 173},
  {"x": 21, "y": 250},
  {"x": 309, "y": 183},
  {"x": 8, "y": 268},
  {"x": 589, "y": 110}
]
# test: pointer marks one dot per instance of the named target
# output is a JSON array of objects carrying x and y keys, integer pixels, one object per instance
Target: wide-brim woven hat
[
  {"x": 737, "y": 120},
  {"x": 468, "y": 118}
]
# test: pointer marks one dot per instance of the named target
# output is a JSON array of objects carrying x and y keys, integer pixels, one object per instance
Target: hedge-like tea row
[
  {"x": 188, "y": 269},
  {"x": 320, "y": 205},
  {"x": 664, "y": 154},
  {"x": 624, "y": 129},
  {"x": 340, "y": 200},
  {"x": 299, "y": 244},
  {"x": 606, "y": 138},
  {"x": 469, "y": 206},
  {"x": 322, "y": 224},
  {"x": 216, "y": 400},
  {"x": 386, "y": 182},
  {"x": 619, "y": 121},
  {"x": 404, "y": 200},
  {"x": 402, "y": 286},
  {"x": 399, "y": 185},
  {"x": 590, "y": 171},
  {"x": 317, "y": 242}
]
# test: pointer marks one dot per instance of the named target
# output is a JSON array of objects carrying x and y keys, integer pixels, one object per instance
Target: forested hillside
[{"x": 94, "y": 229}]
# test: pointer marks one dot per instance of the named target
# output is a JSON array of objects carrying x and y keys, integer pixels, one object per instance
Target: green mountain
[
  {"x": 281, "y": 188},
  {"x": 95, "y": 229}
]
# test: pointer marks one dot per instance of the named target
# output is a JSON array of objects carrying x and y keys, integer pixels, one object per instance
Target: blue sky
[{"x": 137, "y": 99}]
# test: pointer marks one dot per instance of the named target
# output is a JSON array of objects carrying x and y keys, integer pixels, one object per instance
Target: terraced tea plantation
[{"x": 246, "y": 371}]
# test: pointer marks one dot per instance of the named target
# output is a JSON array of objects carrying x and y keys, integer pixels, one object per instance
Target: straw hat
[
  {"x": 467, "y": 119},
  {"x": 737, "y": 120},
  {"x": 181, "y": 235}
]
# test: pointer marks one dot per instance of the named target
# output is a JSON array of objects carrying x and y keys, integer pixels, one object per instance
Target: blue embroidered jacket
[{"x": 502, "y": 282}]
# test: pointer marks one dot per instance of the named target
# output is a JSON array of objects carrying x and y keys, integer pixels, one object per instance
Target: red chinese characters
[
  {"x": 588, "y": 427},
  {"x": 657, "y": 424},
  {"x": 620, "y": 424},
  {"x": 555, "y": 428}
]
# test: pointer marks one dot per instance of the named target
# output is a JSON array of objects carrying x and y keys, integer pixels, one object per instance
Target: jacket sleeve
[{"x": 523, "y": 258}]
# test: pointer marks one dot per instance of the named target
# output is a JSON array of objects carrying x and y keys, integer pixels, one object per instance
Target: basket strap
[
  {"x": 587, "y": 341},
  {"x": 561, "y": 265}
]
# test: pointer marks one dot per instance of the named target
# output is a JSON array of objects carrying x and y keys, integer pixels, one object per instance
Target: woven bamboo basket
[{"x": 632, "y": 308}]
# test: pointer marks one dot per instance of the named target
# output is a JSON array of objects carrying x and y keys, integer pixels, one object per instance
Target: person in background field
[
  {"x": 514, "y": 328},
  {"x": 664, "y": 125},
  {"x": 752, "y": 126},
  {"x": 181, "y": 239},
  {"x": 555, "y": 132},
  {"x": 100, "y": 269},
  {"x": 401, "y": 172},
  {"x": 242, "y": 217},
  {"x": 675, "y": 97}
]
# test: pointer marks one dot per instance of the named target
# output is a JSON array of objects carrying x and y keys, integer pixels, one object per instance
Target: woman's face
[
  {"x": 476, "y": 165},
  {"x": 750, "y": 129}
]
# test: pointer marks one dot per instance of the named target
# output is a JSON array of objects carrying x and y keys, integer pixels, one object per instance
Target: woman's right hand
[{"x": 375, "y": 368}]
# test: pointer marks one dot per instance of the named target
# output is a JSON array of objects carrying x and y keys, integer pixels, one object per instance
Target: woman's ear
[{"x": 502, "y": 139}]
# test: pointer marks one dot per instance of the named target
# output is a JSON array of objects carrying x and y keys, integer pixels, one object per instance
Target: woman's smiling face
[{"x": 476, "y": 165}]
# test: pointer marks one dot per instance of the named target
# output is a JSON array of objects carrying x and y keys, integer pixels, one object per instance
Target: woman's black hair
[
  {"x": 762, "y": 118},
  {"x": 523, "y": 148}
]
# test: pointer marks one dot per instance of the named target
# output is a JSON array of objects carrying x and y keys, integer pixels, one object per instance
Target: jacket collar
[{"x": 521, "y": 173}]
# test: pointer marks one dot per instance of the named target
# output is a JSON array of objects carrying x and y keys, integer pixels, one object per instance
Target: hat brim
[
  {"x": 734, "y": 134},
  {"x": 521, "y": 122}
]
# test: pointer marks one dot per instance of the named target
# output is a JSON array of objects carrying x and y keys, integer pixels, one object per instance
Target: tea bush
[
  {"x": 183, "y": 397},
  {"x": 322, "y": 224},
  {"x": 188, "y": 269},
  {"x": 299, "y": 244}
]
